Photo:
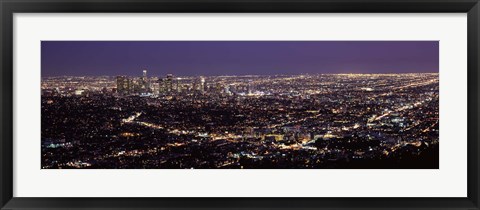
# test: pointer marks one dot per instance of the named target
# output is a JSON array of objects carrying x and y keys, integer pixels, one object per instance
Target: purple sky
[{"x": 86, "y": 58}]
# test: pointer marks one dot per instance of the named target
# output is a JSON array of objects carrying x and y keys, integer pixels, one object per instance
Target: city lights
[{"x": 241, "y": 121}]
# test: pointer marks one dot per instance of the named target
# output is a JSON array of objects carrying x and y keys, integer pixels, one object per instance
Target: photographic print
[{"x": 240, "y": 104}]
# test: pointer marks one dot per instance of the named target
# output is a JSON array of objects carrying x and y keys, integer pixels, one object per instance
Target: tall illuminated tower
[
  {"x": 123, "y": 85},
  {"x": 249, "y": 87},
  {"x": 169, "y": 83},
  {"x": 178, "y": 88},
  {"x": 202, "y": 84}
]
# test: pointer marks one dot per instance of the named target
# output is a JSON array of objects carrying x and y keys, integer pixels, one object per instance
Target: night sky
[{"x": 184, "y": 58}]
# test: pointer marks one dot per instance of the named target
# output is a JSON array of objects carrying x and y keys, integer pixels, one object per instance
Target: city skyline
[
  {"x": 287, "y": 122},
  {"x": 218, "y": 58},
  {"x": 240, "y": 75},
  {"x": 266, "y": 113}
]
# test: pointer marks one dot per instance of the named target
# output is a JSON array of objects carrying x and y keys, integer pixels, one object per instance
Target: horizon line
[{"x": 245, "y": 75}]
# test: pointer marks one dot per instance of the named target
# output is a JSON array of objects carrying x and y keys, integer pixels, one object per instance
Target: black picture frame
[{"x": 9, "y": 7}]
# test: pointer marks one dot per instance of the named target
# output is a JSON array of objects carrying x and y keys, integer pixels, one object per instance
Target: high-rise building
[
  {"x": 218, "y": 88},
  {"x": 123, "y": 85},
  {"x": 156, "y": 88},
  {"x": 169, "y": 83},
  {"x": 161, "y": 85},
  {"x": 227, "y": 90},
  {"x": 136, "y": 86},
  {"x": 145, "y": 83},
  {"x": 195, "y": 85},
  {"x": 202, "y": 84},
  {"x": 177, "y": 87},
  {"x": 249, "y": 87}
]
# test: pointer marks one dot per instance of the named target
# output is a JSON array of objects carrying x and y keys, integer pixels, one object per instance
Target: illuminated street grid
[{"x": 335, "y": 121}]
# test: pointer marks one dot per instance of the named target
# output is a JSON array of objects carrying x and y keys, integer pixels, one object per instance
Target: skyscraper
[
  {"x": 161, "y": 86},
  {"x": 123, "y": 85},
  {"x": 178, "y": 88},
  {"x": 169, "y": 83},
  {"x": 218, "y": 88},
  {"x": 202, "y": 84},
  {"x": 145, "y": 84}
]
